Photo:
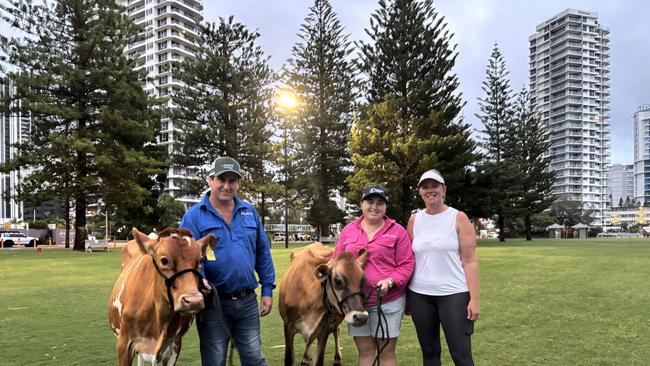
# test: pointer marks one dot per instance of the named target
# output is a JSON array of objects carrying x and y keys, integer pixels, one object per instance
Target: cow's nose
[
  {"x": 360, "y": 318},
  {"x": 191, "y": 302}
]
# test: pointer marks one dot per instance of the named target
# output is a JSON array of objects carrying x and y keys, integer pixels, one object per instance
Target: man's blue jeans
[{"x": 242, "y": 320}]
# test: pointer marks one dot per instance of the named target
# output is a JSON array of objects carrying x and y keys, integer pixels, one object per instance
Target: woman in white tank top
[{"x": 444, "y": 286}]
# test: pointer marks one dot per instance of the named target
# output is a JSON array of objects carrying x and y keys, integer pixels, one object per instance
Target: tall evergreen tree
[
  {"x": 92, "y": 117},
  {"x": 496, "y": 116},
  {"x": 411, "y": 123},
  {"x": 496, "y": 109},
  {"x": 530, "y": 137},
  {"x": 323, "y": 77},
  {"x": 225, "y": 108}
]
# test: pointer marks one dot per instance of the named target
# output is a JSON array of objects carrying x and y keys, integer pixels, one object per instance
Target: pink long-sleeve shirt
[{"x": 389, "y": 255}]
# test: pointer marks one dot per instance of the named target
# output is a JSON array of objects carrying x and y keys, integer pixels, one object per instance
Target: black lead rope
[
  {"x": 213, "y": 296},
  {"x": 382, "y": 326},
  {"x": 169, "y": 281},
  {"x": 382, "y": 323},
  {"x": 330, "y": 310}
]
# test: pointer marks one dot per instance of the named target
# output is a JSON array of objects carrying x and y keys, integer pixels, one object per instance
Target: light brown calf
[{"x": 316, "y": 294}]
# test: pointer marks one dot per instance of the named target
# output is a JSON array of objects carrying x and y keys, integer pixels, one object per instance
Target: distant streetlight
[
  {"x": 287, "y": 103},
  {"x": 106, "y": 231}
]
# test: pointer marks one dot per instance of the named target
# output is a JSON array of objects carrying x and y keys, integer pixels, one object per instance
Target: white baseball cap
[{"x": 431, "y": 174}]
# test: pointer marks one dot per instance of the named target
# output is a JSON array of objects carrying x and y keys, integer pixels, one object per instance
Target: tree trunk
[
  {"x": 406, "y": 204},
  {"x": 502, "y": 226},
  {"x": 67, "y": 222},
  {"x": 80, "y": 204},
  {"x": 326, "y": 221},
  {"x": 80, "y": 225},
  {"x": 68, "y": 198},
  {"x": 323, "y": 222},
  {"x": 529, "y": 235},
  {"x": 322, "y": 188}
]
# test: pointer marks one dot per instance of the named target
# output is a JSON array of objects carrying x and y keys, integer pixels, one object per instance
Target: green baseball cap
[{"x": 224, "y": 164}]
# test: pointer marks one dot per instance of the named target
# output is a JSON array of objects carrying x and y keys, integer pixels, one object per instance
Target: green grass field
[{"x": 549, "y": 302}]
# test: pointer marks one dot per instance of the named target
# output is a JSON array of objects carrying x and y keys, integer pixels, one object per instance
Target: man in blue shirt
[{"x": 242, "y": 250}]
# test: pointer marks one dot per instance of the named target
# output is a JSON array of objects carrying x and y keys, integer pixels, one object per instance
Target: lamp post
[
  {"x": 287, "y": 102},
  {"x": 286, "y": 192},
  {"x": 106, "y": 223}
]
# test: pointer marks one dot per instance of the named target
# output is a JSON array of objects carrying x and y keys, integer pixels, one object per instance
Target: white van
[{"x": 11, "y": 238}]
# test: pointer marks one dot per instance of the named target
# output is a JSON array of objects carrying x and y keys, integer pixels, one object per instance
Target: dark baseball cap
[
  {"x": 375, "y": 190},
  {"x": 224, "y": 164}
]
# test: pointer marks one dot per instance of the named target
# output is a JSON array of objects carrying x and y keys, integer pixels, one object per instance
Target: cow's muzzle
[
  {"x": 190, "y": 303},
  {"x": 357, "y": 318}
]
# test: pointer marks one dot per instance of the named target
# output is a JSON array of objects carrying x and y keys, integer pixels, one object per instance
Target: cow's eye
[
  {"x": 339, "y": 282},
  {"x": 164, "y": 261}
]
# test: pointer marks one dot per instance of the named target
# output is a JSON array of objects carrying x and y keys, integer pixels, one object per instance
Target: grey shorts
[{"x": 394, "y": 312}]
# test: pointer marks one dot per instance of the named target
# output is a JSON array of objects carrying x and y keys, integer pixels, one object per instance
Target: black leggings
[{"x": 429, "y": 312}]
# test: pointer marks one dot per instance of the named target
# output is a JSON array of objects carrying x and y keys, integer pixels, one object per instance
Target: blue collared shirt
[{"x": 242, "y": 247}]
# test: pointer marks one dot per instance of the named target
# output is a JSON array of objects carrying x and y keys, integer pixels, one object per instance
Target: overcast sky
[{"x": 477, "y": 25}]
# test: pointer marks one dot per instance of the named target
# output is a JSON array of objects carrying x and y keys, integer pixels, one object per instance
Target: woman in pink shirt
[{"x": 387, "y": 273}]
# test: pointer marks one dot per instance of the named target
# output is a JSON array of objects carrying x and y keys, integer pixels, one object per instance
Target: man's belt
[{"x": 236, "y": 295}]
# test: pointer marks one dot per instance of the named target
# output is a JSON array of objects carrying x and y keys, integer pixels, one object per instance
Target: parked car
[
  {"x": 328, "y": 239},
  {"x": 608, "y": 234},
  {"x": 11, "y": 238},
  {"x": 278, "y": 237},
  {"x": 303, "y": 237}
]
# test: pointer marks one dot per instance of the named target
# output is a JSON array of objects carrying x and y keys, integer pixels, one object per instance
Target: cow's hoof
[{"x": 336, "y": 363}]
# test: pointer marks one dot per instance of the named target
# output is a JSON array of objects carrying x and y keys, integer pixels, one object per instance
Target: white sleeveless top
[{"x": 438, "y": 269}]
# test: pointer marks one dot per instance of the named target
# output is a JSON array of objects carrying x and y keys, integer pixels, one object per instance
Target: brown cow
[
  {"x": 156, "y": 295},
  {"x": 316, "y": 294}
]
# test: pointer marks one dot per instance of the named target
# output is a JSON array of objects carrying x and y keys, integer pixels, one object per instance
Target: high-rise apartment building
[
  {"x": 642, "y": 154},
  {"x": 569, "y": 80},
  {"x": 14, "y": 128},
  {"x": 170, "y": 33},
  {"x": 621, "y": 183}
]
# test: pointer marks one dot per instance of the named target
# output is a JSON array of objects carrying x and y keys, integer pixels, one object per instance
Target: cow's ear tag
[
  {"x": 209, "y": 253},
  {"x": 207, "y": 245}
]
